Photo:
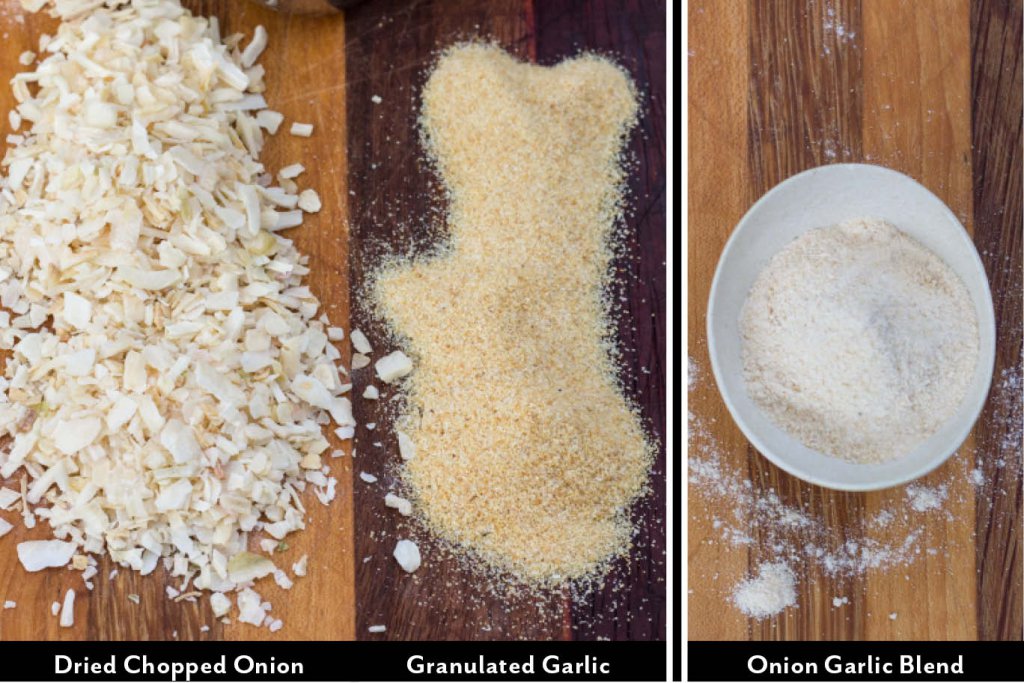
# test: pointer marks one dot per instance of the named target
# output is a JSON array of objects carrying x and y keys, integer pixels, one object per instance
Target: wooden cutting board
[
  {"x": 365, "y": 161},
  {"x": 929, "y": 89}
]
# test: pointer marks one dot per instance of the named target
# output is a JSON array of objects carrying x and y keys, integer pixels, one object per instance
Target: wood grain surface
[
  {"x": 928, "y": 89},
  {"x": 997, "y": 162},
  {"x": 366, "y": 162}
]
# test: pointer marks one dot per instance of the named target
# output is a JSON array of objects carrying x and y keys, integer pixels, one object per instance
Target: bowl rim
[{"x": 976, "y": 404}]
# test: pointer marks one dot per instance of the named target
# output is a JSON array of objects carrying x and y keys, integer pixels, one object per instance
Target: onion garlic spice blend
[
  {"x": 526, "y": 453},
  {"x": 859, "y": 341}
]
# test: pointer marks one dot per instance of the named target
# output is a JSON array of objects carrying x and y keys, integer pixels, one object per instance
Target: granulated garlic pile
[
  {"x": 170, "y": 375},
  {"x": 518, "y": 443}
]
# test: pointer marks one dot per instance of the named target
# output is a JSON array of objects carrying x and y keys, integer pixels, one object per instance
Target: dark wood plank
[
  {"x": 395, "y": 204},
  {"x": 630, "y": 604},
  {"x": 805, "y": 108},
  {"x": 996, "y": 110}
]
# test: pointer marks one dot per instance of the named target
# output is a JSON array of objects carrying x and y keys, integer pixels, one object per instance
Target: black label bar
[
  {"x": 854, "y": 661},
  {"x": 333, "y": 661}
]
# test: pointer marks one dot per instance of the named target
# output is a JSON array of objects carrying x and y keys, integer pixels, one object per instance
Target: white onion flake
[
  {"x": 406, "y": 447},
  {"x": 37, "y": 555},
  {"x": 393, "y": 367},
  {"x": 407, "y": 554},
  {"x": 403, "y": 506},
  {"x": 171, "y": 377},
  {"x": 67, "y": 609},
  {"x": 245, "y": 567}
]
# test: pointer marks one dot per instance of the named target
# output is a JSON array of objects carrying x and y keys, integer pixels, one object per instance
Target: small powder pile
[
  {"x": 768, "y": 593},
  {"x": 526, "y": 452},
  {"x": 859, "y": 341},
  {"x": 922, "y": 498}
]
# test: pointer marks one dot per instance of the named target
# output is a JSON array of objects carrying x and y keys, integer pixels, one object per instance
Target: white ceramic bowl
[{"x": 817, "y": 198}]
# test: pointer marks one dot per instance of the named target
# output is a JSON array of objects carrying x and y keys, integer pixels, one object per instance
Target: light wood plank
[
  {"x": 917, "y": 120},
  {"x": 305, "y": 63},
  {"x": 718, "y": 189}
]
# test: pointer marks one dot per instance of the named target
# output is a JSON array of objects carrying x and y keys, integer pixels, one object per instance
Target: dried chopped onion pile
[{"x": 170, "y": 375}]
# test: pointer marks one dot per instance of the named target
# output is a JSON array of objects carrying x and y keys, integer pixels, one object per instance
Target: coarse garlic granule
[
  {"x": 169, "y": 376},
  {"x": 526, "y": 452}
]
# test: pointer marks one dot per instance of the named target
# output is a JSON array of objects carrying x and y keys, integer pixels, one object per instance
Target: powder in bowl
[{"x": 858, "y": 341}]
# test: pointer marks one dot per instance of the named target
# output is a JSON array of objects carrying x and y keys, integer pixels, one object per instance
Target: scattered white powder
[
  {"x": 693, "y": 375},
  {"x": 858, "y": 341},
  {"x": 922, "y": 498},
  {"x": 1010, "y": 409},
  {"x": 977, "y": 477},
  {"x": 882, "y": 519},
  {"x": 798, "y": 537},
  {"x": 794, "y": 534},
  {"x": 767, "y": 594},
  {"x": 831, "y": 23},
  {"x": 834, "y": 31}
]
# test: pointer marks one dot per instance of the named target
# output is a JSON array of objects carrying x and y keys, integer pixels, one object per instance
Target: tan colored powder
[{"x": 526, "y": 452}]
